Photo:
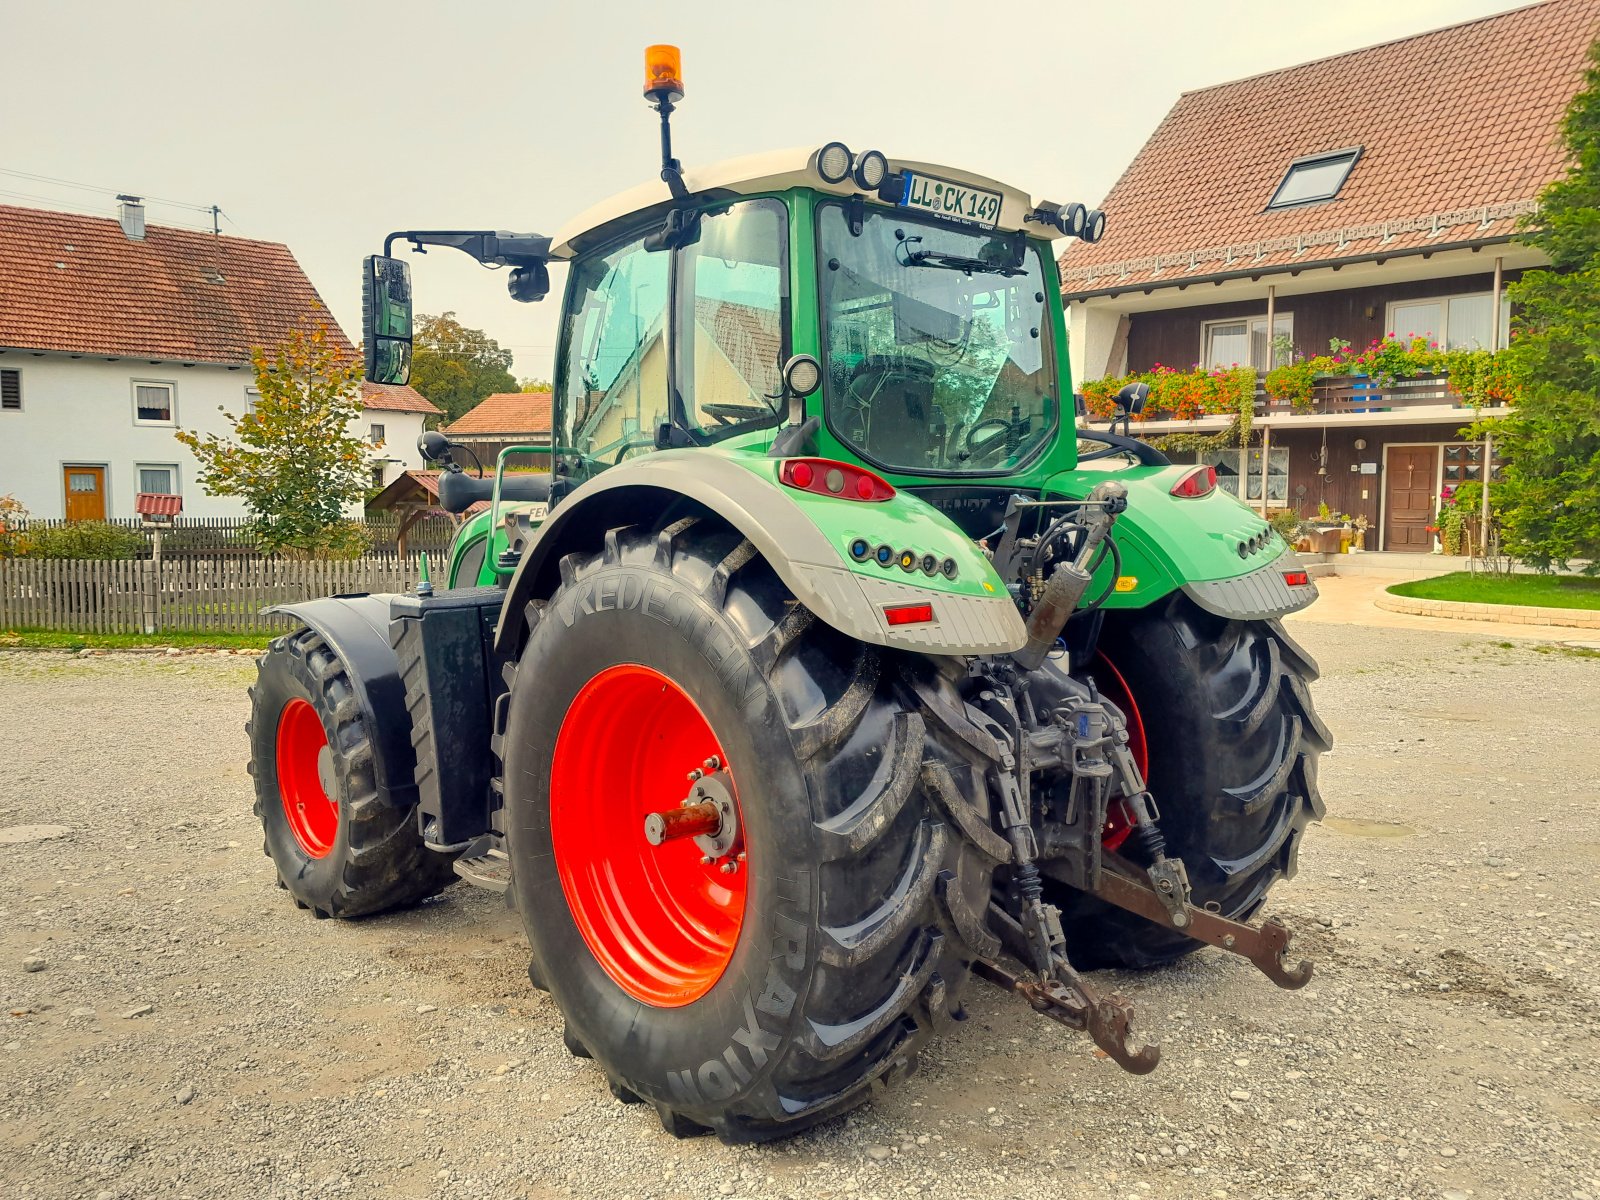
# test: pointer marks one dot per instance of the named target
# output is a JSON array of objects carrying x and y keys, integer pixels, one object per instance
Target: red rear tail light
[
  {"x": 1200, "y": 481},
  {"x": 1296, "y": 578},
  {"x": 908, "y": 614},
  {"x": 829, "y": 478}
]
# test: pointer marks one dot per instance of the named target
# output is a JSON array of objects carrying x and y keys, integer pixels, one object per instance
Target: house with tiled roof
[
  {"x": 1370, "y": 194},
  {"x": 115, "y": 334},
  {"x": 504, "y": 419}
]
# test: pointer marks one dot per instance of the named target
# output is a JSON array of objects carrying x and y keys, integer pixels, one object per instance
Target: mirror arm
[{"x": 490, "y": 247}]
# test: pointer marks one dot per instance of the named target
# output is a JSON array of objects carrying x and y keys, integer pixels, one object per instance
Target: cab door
[{"x": 85, "y": 489}]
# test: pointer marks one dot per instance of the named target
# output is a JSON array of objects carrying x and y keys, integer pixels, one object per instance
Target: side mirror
[
  {"x": 386, "y": 319},
  {"x": 1132, "y": 397}
]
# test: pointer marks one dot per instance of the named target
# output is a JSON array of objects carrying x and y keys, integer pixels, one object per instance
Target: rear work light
[
  {"x": 1296, "y": 578},
  {"x": 908, "y": 614},
  {"x": 829, "y": 478},
  {"x": 1200, "y": 481}
]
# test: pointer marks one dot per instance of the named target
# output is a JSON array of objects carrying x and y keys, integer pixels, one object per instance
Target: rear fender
[
  {"x": 356, "y": 628},
  {"x": 811, "y": 563}
]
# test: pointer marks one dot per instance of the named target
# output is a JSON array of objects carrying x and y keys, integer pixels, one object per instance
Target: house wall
[
  {"x": 81, "y": 411},
  {"x": 1173, "y": 336}
]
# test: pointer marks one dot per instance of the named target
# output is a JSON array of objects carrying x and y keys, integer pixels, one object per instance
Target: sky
[{"x": 327, "y": 124}]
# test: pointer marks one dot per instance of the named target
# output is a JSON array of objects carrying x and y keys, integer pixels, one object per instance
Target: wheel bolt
[
  {"x": 706, "y": 860},
  {"x": 695, "y": 774},
  {"x": 728, "y": 868},
  {"x": 713, "y": 763}
]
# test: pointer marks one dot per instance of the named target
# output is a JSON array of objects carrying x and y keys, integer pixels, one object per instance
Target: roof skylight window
[{"x": 1315, "y": 178}]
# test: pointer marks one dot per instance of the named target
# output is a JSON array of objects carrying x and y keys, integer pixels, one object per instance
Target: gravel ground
[{"x": 177, "y": 1028}]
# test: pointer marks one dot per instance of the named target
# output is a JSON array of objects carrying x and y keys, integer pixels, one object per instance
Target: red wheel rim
[
  {"x": 1119, "y": 821},
  {"x": 305, "y": 777},
  {"x": 660, "y": 922}
]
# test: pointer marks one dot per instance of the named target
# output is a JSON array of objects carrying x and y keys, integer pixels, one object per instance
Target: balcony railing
[{"x": 1362, "y": 394}]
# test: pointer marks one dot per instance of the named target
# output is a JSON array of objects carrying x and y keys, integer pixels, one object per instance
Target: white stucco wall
[
  {"x": 1092, "y": 329},
  {"x": 80, "y": 411}
]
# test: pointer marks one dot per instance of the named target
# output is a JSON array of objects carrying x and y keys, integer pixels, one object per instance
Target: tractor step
[{"x": 491, "y": 869}]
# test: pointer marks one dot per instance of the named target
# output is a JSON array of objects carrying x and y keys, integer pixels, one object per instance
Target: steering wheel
[
  {"x": 634, "y": 441},
  {"x": 1001, "y": 427},
  {"x": 730, "y": 414}
]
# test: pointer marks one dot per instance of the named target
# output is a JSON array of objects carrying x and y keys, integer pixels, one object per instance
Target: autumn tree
[
  {"x": 455, "y": 367},
  {"x": 535, "y": 385},
  {"x": 1548, "y": 497},
  {"x": 293, "y": 458}
]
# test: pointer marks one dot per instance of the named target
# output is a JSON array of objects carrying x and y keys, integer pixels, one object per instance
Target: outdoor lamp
[{"x": 833, "y": 162}]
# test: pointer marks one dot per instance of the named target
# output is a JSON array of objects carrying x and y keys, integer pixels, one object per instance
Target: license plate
[{"x": 953, "y": 201}]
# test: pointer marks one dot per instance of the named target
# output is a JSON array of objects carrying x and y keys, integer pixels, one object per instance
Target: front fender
[
  {"x": 802, "y": 535},
  {"x": 356, "y": 629}
]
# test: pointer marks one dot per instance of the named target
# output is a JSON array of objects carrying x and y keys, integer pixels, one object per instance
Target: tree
[
  {"x": 536, "y": 385},
  {"x": 1548, "y": 497},
  {"x": 456, "y": 367},
  {"x": 294, "y": 459}
]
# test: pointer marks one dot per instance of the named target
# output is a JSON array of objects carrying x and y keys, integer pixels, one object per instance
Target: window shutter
[{"x": 11, "y": 390}]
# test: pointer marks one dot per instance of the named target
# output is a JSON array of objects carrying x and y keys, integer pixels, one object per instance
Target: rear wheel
[
  {"x": 833, "y": 930},
  {"x": 1220, "y": 712},
  {"x": 341, "y": 850}
]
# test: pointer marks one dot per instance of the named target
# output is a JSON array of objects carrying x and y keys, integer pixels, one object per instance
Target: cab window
[
  {"x": 732, "y": 319},
  {"x": 614, "y": 379}
]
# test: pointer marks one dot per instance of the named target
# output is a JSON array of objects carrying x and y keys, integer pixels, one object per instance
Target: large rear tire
[
  {"x": 1232, "y": 743},
  {"x": 341, "y": 850},
  {"x": 755, "y": 1004}
]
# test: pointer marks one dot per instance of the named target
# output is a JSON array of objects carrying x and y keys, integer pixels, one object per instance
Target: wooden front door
[
  {"x": 86, "y": 493},
  {"x": 1410, "y": 498}
]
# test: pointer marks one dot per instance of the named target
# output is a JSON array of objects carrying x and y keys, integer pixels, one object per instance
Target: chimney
[{"x": 130, "y": 215}]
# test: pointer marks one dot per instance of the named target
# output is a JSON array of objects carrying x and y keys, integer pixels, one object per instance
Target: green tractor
[{"x": 831, "y": 664}]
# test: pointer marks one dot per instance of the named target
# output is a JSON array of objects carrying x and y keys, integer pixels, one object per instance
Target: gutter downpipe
[
  {"x": 1488, "y": 440},
  {"x": 1266, "y": 430}
]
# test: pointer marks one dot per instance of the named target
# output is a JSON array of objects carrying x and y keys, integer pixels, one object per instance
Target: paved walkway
[{"x": 1348, "y": 600}]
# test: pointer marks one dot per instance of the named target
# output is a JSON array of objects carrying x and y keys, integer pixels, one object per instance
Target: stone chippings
[{"x": 192, "y": 1034}]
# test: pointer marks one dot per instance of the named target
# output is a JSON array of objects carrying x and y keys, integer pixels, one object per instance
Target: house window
[
  {"x": 1314, "y": 179},
  {"x": 154, "y": 403},
  {"x": 377, "y": 476},
  {"x": 375, "y": 434},
  {"x": 1239, "y": 471},
  {"x": 10, "y": 390},
  {"x": 1242, "y": 342},
  {"x": 252, "y": 397},
  {"x": 158, "y": 478},
  {"x": 1456, "y": 322}
]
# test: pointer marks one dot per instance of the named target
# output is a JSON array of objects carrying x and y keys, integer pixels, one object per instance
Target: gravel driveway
[{"x": 177, "y": 1028}]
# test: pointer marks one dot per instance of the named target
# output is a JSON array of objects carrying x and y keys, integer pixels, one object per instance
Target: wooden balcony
[{"x": 1338, "y": 394}]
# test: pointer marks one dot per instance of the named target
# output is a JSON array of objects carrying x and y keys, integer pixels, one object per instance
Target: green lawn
[
  {"x": 52, "y": 639},
  {"x": 1540, "y": 591}
]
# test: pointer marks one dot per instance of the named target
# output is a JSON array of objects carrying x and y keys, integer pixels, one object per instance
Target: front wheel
[
  {"x": 341, "y": 849},
  {"x": 771, "y": 969},
  {"x": 1221, "y": 712}
]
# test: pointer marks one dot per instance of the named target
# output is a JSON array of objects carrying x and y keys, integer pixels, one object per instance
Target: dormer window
[{"x": 1315, "y": 178}]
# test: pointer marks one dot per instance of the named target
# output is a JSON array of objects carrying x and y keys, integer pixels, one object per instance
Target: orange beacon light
[{"x": 663, "y": 72}]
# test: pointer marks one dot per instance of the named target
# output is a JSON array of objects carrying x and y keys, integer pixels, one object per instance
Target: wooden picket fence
[
  {"x": 220, "y": 595},
  {"x": 235, "y": 537}
]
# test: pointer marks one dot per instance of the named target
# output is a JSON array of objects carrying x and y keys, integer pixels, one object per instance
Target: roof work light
[{"x": 663, "y": 72}]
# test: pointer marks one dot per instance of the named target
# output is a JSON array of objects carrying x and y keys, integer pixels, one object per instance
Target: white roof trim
[{"x": 776, "y": 170}]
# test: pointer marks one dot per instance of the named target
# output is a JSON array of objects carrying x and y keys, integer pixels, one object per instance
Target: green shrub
[{"x": 85, "y": 539}]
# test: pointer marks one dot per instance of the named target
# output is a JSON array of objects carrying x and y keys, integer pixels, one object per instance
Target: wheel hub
[
  {"x": 307, "y": 784},
  {"x": 652, "y": 876}
]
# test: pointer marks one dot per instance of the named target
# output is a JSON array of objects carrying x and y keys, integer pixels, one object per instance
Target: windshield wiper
[{"x": 942, "y": 260}]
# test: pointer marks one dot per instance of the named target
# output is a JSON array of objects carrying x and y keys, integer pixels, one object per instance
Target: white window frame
[
  {"x": 251, "y": 395},
  {"x": 172, "y": 400},
  {"x": 1250, "y": 322},
  {"x": 1443, "y": 336},
  {"x": 375, "y": 433},
  {"x": 21, "y": 402},
  {"x": 171, "y": 468}
]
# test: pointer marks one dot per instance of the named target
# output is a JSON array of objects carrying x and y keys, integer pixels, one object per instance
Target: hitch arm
[
  {"x": 1106, "y": 1018},
  {"x": 1264, "y": 945}
]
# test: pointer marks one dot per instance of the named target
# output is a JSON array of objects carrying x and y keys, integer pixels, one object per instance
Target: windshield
[{"x": 937, "y": 342}]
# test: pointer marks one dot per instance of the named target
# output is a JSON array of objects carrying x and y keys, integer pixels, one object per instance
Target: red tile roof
[
  {"x": 76, "y": 283},
  {"x": 505, "y": 414},
  {"x": 1458, "y": 129},
  {"x": 396, "y": 397},
  {"x": 157, "y": 504}
]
